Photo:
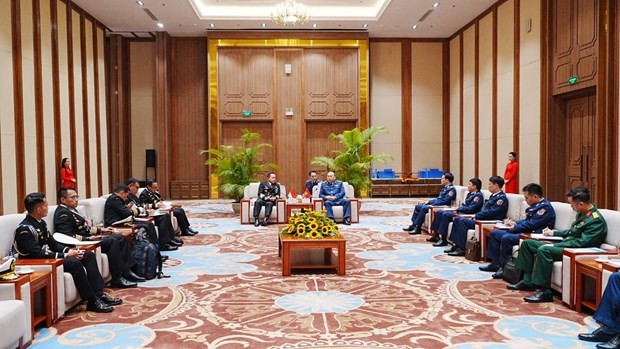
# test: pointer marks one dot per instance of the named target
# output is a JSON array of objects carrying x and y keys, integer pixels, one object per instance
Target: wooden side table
[
  {"x": 293, "y": 207},
  {"x": 41, "y": 297},
  {"x": 288, "y": 242},
  {"x": 588, "y": 275}
]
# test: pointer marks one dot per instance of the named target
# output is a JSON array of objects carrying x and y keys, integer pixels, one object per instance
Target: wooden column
[{"x": 162, "y": 126}]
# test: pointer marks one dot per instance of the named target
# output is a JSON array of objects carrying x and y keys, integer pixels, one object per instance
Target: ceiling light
[
  {"x": 415, "y": 26},
  {"x": 436, "y": 4},
  {"x": 314, "y": 25},
  {"x": 160, "y": 24},
  {"x": 141, "y": 3},
  {"x": 290, "y": 12},
  {"x": 263, "y": 25}
]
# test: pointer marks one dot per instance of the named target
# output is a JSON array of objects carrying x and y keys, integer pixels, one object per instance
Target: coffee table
[
  {"x": 296, "y": 207},
  {"x": 287, "y": 243}
]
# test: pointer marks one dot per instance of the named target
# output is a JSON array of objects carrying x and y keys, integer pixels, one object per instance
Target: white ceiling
[{"x": 385, "y": 18}]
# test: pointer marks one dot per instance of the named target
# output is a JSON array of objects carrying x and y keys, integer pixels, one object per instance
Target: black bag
[
  {"x": 472, "y": 250},
  {"x": 146, "y": 254},
  {"x": 512, "y": 275}
]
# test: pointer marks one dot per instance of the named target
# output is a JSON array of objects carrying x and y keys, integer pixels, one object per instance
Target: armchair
[
  {"x": 15, "y": 320},
  {"x": 250, "y": 194},
  {"x": 349, "y": 191},
  {"x": 461, "y": 194}
]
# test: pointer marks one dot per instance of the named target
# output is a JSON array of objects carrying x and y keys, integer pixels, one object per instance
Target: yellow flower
[
  {"x": 314, "y": 234},
  {"x": 314, "y": 225},
  {"x": 325, "y": 229}
]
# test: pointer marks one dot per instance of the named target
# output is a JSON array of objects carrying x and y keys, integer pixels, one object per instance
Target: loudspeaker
[{"x": 151, "y": 158}]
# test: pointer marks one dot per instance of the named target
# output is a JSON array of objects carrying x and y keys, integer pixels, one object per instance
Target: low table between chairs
[{"x": 288, "y": 242}]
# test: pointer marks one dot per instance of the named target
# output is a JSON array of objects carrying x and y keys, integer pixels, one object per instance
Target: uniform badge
[
  {"x": 594, "y": 214},
  {"x": 450, "y": 193},
  {"x": 500, "y": 202},
  {"x": 589, "y": 213},
  {"x": 476, "y": 199},
  {"x": 541, "y": 212}
]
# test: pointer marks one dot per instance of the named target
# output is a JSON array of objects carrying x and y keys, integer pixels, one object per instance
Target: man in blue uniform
[
  {"x": 494, "y": 209},
  {"x": 608, "y": 315},
  {"x": 447, "y": 194},
  {"x": 472, "y": 204},
  {"x": 312, "y": 182},
  {"x": 539, "y": 215},
  {"x": 332, "y": 193},
  {"x": 536, "y": 257}
]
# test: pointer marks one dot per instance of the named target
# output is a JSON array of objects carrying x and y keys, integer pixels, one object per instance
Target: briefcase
[{"x": 472, "y": 250}]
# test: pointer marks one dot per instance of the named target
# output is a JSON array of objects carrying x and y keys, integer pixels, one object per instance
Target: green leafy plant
[
  {"x": 352, "y": 165},
  {"x": 237, "y": 166}
]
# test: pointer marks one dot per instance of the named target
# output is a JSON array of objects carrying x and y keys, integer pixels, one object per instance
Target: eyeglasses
[{"x": 73, "y": 197}]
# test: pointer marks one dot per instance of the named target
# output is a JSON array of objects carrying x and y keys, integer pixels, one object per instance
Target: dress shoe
[
  {"x": 164, "y": 258},
  {"x": 522, "y": 286},
  {"x": 498, "y": 274},
  {"x": 174, "y": 243},
  {"x": 451, "y": 249},
  {"x": 433, "y": 239},
  {"x": 440, "y": 243},
  {"x": 187, "y": 233},
  {"x": 410, "y": 228},
  {"x": 347, "y": 221},
  {"x": 131, "y": 276},
  {"x": 122, "y": 283},
  {"x": 598, "y": 335},
  {"x": 256, "y": 222},
  {"x": 177, "y": 240},
  {"x": 98, "y": 306},
  {"x": 417, "y": 231},
  {"x": 264, "y": 223},
  {"x": 490, "y": 267},
  {"x": 457, "y": 253},
  {"x": 168, "y": 247},
  {"x": 111, "y": 300},
  {"x": 540, "y": 297},
  {"x": 613, "y": 343},
  {"x": 192, "y": 230}
]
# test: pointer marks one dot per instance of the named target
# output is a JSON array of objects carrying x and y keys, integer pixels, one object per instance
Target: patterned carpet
[{"x": 227, "y": 291}]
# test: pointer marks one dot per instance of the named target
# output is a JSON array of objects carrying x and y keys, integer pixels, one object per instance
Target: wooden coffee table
[
  {"x": 41, "y": 297},
  {"x": 288, "y": 243}
]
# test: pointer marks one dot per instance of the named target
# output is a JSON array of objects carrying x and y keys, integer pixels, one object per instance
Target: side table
[
  {"x": 296, "y": 207},
  {"x": 588, "y": 275},
  {"x": 287, "y": 243},
  {"x": 41, "y": 296}
]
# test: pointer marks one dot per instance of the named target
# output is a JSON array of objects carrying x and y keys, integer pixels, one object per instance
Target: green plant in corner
[
  {"x": 237, "y": 166},
  {"x": 352, "y": 165}
]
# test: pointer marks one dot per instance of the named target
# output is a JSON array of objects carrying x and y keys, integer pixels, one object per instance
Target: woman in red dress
[
  {"x": 66, "y": 174},
  {"x": 511, "y": 174}
]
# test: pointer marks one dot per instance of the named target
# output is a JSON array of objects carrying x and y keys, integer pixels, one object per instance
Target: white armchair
[
  {"x": 461, "y": 194},
  {"x": 93, "y": 208},
  {"x": 349, "y": 193},
  {"x": 15, "y": 322},
  {"x": 250, "y": 194}
]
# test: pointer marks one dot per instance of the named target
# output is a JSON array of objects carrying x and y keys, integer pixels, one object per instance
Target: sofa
[
  {"x": 349, "y": 193},
  {"x": 15, "y": 324},
  {"x": 250, "y": 194}
]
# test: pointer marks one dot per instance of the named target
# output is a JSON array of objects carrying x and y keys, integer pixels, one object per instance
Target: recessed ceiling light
[
  {"x": 263, "y": 25},
  {"x": 365, "y": 26},
  {"x": 160, "y": 24},
  {"x": 211, "y": 25},
  {"x": 436, "y": 4},
  {"x": 314, "y": 25},
  {"x": 415, "y": 26},
  {"x": 140, "y": 3}
]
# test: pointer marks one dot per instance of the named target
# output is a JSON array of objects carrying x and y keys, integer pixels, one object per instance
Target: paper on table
[
  {"x": 67, "y": 240},
  {"x": 123, "y": 221},
  {"x": 544, "y": 237},
  {"x": 502, "y": 226}
]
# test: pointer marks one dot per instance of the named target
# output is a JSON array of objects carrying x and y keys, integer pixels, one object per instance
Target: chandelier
[{"x": 290, "y": 12}]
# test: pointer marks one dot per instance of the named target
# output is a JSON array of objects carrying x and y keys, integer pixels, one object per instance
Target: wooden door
[{"x": 580, "y": 143}]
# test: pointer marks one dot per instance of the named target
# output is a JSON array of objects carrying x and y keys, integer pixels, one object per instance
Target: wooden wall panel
[
  {"x": 245, "y": 82},
  {"x": 231, "y": 132},
  {"x": 42, "y": 89},
  {"x": 289, "y": 130},
  {"x": 189, "y": 108},
  {"x": 318, "y": 142}
]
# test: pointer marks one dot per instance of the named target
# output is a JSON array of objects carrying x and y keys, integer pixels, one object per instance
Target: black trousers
[
  {"x": 179, "y": 214},
  {"x": 166, "y": 231},
  {"x": 268, "y": 207},
  {"x": 89, "y": 282},
  {"x": 119, "y": 255}
]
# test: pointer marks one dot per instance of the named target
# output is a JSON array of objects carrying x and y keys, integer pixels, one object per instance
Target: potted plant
[
  {"x": 237, "y": 166},
  {"x": 352, "y": 165}
]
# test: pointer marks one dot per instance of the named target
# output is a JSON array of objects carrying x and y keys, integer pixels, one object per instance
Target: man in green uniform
[{"x": 588, "y": 230}]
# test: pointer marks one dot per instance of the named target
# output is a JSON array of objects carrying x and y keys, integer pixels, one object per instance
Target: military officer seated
[
  {"x": 446, "y": 196},
  {"x": 608, "y": 315},
  {"x": 332, "y": 193},
  {"x": 268, "y": 193},
  {"x": 151, "y": 197}
]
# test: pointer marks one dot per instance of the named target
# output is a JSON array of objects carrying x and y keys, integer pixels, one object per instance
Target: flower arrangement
[{"x": 311, "y": 225}]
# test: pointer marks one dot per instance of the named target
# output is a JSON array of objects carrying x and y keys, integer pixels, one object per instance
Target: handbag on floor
[
  {"x": 512, "y": 275},
  {"x": 472, "y": 250}
]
